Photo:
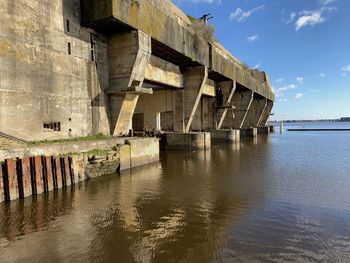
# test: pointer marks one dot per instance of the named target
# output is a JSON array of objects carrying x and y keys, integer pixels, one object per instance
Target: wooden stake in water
[{"x": 281, "y": 127}]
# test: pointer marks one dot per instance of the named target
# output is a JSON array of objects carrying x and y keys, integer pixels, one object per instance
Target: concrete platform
[
  {"x": 228, "y": 136},
  {"x": 193, "y": 140}
]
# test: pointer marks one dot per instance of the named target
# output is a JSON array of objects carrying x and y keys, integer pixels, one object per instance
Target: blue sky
[{"x": 304, "y": 45}]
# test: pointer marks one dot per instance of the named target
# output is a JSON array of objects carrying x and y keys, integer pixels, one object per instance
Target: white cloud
[
  {"x": 279, "y": 91},
  {"x": 279, "y": 80},
  {"x": 291, "y": 17},
  {"x": 257, "y": 66},
  {"x": 252, "y": 38},
  {"x": 300, "y": 80},
  {"x": 298, "y": 95},
  {"x": 240, "y": 15},
  {"x": 343, "y": 75},
  {"x": 311, "y": 18},
  {"x": 326, "y": 2},
  {"x": 322, "y": 75},
  {"x": 346, "y": 68}
]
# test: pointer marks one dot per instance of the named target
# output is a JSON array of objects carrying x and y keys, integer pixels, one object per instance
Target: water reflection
[{"x": 242, "y": 202}]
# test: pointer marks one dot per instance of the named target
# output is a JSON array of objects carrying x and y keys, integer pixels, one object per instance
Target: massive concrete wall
[
  {"x": 59, "y": 79},
  {"x": 40, "y": 81}
]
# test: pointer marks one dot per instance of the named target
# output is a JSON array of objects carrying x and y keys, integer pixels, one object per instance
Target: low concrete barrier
[{"x": 24, "y": 176}]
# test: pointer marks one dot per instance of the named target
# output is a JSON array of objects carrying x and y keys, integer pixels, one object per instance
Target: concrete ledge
[
  {"x": 193, "y": 140},
  {"x": 229, "y": 136}
]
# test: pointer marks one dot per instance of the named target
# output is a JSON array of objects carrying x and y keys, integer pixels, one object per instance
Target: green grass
[{"x": 96, "y": 137}]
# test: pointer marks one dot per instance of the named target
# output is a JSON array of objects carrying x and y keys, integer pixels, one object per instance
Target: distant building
[{"x": 345, "y": 119}]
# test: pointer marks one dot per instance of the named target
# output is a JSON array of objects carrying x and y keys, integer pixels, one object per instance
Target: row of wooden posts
[{"x": 24, "y": 177}]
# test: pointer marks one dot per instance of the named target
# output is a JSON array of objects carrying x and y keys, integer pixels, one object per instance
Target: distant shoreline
[{"x": 345, "y": 119}]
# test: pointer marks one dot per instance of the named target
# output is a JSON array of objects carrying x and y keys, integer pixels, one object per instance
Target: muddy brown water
[{"x": 282, "y": 198}]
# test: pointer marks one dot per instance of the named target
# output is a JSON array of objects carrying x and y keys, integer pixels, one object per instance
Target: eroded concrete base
[
  {"x": 193, "y": 140},
  {"x": 228, "y": 136},
  {"x": 264, "y": 130},
  {"x": 249, "y": 132}
]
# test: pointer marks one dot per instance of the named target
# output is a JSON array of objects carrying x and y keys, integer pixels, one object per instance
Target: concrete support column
[
  {"x": 242, "y": 102},
  {"x": 129, "y": 54},
  {"x": 255, "y": 112},
  {"x": 194, "y": 84},
  {"x": 228, "y": 89},
  {"x": 179, "y": 114}
]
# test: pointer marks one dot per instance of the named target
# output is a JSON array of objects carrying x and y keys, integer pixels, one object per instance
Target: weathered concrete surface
[
  {"x": 249, "y": 132},
  {"x": 129, "y": 54},
  {"x": 40, "y": 82},
  {"x": 144, "y": 151},
  {"x": 229, "y": 136},
  {"x": 263, "y": 130},
  {"x": 195, "y": 80},
  {"x": 228, "y": 89},
  {"x": 122, "y": 110},
  {"x": 164, "y": 73},
  {"x": 89, "y": 80},
  {"x": 254, "y": 115},
  {"x": 242, "y": 101},
  {"x": 160, "y": 19},
  {"x": 193, "y": 140}
]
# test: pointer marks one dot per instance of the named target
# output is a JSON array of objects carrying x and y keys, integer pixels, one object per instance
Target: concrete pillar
[
  {"x": 129, "y": 54},
  {"x": 179, "y": 112},
  {"x": 225, "y": 116},
  {"x": 194, "y": 84},
  {"x": 242, "y": 102}
]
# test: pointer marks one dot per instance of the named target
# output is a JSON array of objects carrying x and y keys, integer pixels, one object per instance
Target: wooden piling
[
  {"x": 26, "y": 177},
  {"x": 71, "y": 170},
  {"x": 69, "y": 180},
  {"x": 58, "y": 172},
  {"x": 39, "y": 180},
  {"x": 49, "y": 178},
  {"x": 2, "y": 193},
  {"x": 63, "y": 172},
  {"x": 12, "y": 180}
]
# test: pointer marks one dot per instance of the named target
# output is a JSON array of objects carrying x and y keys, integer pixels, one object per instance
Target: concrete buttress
[
  {"x": 228, "y": 89},
  {"x": 194, "y": 84},
  {"x": 255, "y": 112},
  {"x": 129, "y": 55}
]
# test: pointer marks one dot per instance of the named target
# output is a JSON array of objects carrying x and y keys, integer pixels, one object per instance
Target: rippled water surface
[{"x": 282, "y": 198}]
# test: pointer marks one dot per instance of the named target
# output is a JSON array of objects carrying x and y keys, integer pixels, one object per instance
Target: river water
[{"x": 281, "y": 198}]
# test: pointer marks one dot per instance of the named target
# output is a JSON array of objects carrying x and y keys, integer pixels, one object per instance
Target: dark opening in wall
[
  {"x": 52, "y": 126},
  {"x": 92, "y": 43},
  {"x": 68, "y": 25},
  {"x": 69, "y": 48}
]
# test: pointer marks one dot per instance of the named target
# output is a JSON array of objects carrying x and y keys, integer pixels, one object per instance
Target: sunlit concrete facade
[{"x": 75, "y": 68}]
